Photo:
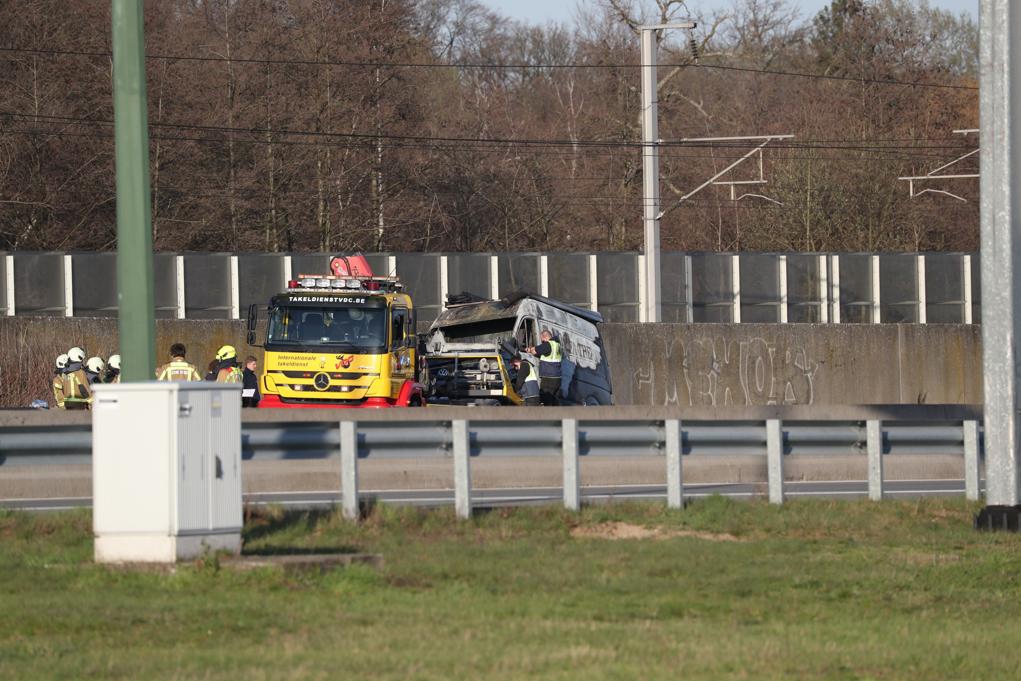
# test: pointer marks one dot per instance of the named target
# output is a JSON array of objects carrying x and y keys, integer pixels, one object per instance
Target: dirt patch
[
  {"x": 920, "y": 558},
  {"x": 618, "y": 530}
]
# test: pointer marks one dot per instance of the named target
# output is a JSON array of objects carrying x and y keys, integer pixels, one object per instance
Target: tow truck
[{"x": 346, "y": 339}]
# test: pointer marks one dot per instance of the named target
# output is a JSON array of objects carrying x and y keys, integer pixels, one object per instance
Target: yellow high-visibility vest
[{"x": 177, "y": 370}]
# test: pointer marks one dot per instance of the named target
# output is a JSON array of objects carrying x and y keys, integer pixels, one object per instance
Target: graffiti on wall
[{"x": 719, "y": 372}]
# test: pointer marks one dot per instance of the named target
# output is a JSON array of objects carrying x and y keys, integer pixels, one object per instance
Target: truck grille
[{"x": 463, "y": 377}]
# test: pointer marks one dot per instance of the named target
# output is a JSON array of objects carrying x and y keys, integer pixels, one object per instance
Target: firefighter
[
  {"x": 526, "y": 381},
  {"x": 77, "y": 393},
  {"x": 113, "y": 370},
  {"x": 177, "y": 369},
  {"x": 548, "y": 352},
  {"x": 227, "y": 370},
  {"x": 94, "y": 369},
  {"x": 58, "y": 381}
]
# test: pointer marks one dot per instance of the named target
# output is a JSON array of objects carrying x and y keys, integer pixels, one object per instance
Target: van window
[{"x": 526, "y": 335}]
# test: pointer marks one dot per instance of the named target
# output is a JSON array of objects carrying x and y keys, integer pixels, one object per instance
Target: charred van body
[{"x": 468, "y": 350}]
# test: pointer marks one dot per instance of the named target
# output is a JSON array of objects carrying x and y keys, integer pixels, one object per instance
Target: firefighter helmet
[
  {"x": 95, "y": 364},
  {"x": 226, "y": 352},
  {"x": 62, "y": 361},
  {"x": 115, "y": 362},
  {"x": 76, "y": 354}
]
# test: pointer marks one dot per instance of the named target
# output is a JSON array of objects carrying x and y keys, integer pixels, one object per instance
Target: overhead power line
[
  {"x": 492, "y": 66},
  {"x": 891, "y": 154},
  {"x": 845, "y": 145}
]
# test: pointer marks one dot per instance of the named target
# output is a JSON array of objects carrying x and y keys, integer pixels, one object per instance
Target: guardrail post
[
  {"x": 674, "y": 473},
  {"x": 462, "y": 469},
  {"x": 572, "y": 495},
  {"x": 874, "y": 444},
  {"x": 774, "y": 460},
  {"x": 349, "y": 469},
  {"x": 970, "y": 460}
]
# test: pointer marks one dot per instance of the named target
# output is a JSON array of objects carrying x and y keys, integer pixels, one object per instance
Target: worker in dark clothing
[
  {"x": 526, "y": 382},
  {"x": 250, "y": 384},
  {"x": 548, "y": 352}
]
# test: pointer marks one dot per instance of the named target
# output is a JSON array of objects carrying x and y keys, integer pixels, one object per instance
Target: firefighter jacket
[
  {"x": 177, "y": 370},
  {"x": 77, "y": 393},
  {"x": 58, "y": 390},
  {"x": 227, "y": 371}
]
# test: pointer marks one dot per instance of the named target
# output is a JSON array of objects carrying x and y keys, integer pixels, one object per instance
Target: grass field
[{"x": 722, "y": 590}]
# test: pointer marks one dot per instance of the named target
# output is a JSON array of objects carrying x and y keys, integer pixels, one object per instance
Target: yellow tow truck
[{"x": 346, "y": 339}]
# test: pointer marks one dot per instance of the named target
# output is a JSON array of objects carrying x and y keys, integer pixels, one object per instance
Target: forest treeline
[{"x": 424, "y": 125}]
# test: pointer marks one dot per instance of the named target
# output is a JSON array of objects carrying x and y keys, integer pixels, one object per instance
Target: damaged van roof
[{"x": 505, "y": 308}]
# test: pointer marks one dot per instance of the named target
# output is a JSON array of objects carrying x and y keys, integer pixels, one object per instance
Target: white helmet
[
  {"x": 95, "y": 364},
  {"x": 76, "y": 354},
  {"x": 61, "y": 361},
  {"x": 115, "y": 362}
]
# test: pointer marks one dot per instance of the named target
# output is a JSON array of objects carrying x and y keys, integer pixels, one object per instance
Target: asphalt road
[{"x": 489, "y": 498}]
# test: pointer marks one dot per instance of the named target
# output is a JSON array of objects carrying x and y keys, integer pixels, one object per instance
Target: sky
[{"x": 541, "y": 11}]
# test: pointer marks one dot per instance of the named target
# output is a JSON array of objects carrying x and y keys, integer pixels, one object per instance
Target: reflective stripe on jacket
[
  {"x": 58, "y": 391},
  {"x": 229, "y": 375},
  {"x": 177, "y": 370},
  {"x": 531, "y": 386},
  {"x": 549, "y": 365},
  {"x": 77, "y": 393}
]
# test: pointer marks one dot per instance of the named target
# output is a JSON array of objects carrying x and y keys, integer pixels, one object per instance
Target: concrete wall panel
[
  {"x": 420, "y": 273},
  {"x": 617, "y": 286},
  {"x": 207, "y": 285},
  {"x": 568, "y": 278},
  {"x": 468, "y": 273},
  {"x": 164, "y": 274},
  {"x": 518, "y": 272},
  {"x": 39, "y": 283},
  {"x": 94, "y": 284},
  {"x": 759, "y": 364},
  {"x": 260, "y": 277},
  {"x": 651, "y": 364},
  {"x": 673, "y": 286}
]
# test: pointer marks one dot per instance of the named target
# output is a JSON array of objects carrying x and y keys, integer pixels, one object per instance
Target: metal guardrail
[{"x": 463, "y": 434}]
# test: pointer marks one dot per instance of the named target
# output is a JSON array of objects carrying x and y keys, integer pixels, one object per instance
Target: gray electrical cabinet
[{"x": 166, "y": 470}]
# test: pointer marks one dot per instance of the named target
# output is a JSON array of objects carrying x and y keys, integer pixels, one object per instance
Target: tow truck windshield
[{"x": 358, "y": 329}]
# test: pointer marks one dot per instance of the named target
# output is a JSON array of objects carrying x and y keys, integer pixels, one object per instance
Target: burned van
[{"x": 467, "y": 352}]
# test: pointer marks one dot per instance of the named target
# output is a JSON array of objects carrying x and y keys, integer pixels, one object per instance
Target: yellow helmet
[{"x": 226, "y": 352}]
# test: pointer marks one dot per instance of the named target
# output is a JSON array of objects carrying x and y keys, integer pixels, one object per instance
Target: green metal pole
[{"x": 134, "y": 215}]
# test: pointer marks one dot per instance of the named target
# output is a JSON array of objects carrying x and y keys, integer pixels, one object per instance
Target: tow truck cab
[
  {"x": 339, "y": 342},
  {"x": 468, "y": 350}
]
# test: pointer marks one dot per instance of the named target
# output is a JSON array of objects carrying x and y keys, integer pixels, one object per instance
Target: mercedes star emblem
[{"x": 321, "y": 381}]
